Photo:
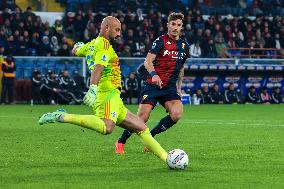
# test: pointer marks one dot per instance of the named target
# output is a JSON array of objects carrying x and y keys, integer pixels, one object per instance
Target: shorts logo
[
  {"x": 113, "y": 114},
  {"x": 104, "y": 58},
  {"x": 144, "y": 97}
]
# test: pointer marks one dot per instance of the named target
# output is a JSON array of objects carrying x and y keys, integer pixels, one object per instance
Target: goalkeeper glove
[
  {"x": 77, "y": 46},
  {"x": 91, "y": 96}
]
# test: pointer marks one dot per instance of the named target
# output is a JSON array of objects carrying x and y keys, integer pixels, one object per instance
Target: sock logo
[{"x": 163, "y": 128}]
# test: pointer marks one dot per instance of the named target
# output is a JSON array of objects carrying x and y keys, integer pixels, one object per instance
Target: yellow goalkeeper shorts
[{"x": 109, "y": 105}]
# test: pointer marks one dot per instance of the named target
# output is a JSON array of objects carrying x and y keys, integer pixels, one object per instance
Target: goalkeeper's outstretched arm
[{"x": 80, "y": 49}]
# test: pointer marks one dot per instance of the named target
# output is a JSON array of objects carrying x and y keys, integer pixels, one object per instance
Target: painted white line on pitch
[
  {"x": 18, "y": 117},
  {"x": 209, "y": 122},
  {"x": 266, "y": 123}
]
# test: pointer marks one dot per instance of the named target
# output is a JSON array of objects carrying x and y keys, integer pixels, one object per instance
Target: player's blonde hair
[{"x": 175, "y": 16}]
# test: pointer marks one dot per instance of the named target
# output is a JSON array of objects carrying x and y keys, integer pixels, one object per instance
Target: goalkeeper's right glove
[{"x": 91, "y": 96}]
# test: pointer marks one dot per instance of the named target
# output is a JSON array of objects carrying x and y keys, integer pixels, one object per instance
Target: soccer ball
[{"x": 177, "y": 159}]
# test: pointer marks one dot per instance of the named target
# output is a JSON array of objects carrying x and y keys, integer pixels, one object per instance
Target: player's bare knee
[
  {"x": 176, "y": 115},
  {"x": 141, "y": 126},
  {"x": 109, "y": 128},
  {"x": 143, "y": 116}
]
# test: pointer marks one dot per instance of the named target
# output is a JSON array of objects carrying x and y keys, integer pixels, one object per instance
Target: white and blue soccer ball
[{"x": 177, "y": 159}]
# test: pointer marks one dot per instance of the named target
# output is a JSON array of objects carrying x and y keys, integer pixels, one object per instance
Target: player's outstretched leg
[
  {"x": 144, "y": 114},
  {"x": 87, "y": 121},
  {"x": 51, "y": 117},
  {"x": 134, "y": 123}
]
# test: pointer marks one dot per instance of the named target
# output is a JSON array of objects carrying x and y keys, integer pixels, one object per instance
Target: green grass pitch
[{"x": 229, "y": 146}]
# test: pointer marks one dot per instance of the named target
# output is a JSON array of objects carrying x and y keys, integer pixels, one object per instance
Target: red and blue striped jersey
[{"x": 170, "y": 57}]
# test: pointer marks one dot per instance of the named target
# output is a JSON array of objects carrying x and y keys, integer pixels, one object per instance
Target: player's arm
[
  {"x": 80, "y": 49},
  {"x": 157, "y": 46},
  {"x": 91, "y": 95},
  {"x": 148, "y": 63},
  {"x": 179, "y": 81},
  {"x": 96, "y": 74},
  {"x": 101, "y": 60}
]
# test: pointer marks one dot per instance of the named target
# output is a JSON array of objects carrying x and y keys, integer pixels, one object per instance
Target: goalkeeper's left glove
[
  {"x": 77, "y": 46},
  {"x": 91, "y": 96}
]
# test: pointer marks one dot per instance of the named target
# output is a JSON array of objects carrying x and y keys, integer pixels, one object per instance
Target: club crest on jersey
[
  {"x": 104, "y": 58},
  {"x": 182, "y": 45}
]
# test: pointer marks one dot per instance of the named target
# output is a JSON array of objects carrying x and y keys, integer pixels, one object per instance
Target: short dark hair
[{"x": 175, "y": 16}]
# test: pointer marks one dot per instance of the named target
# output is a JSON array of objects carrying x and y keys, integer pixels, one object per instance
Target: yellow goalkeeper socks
[
  {"x": 152, "y": 144},
  {"x": 86, "y": 121}
]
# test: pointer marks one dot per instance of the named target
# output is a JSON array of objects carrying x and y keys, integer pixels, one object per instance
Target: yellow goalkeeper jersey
[{"x": 100, "y": 51}]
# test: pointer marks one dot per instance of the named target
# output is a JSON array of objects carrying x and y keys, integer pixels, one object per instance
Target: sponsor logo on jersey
[
  {"x": 174, "y": 54},
  {"x": 168, "y": 43},
  {"x": 182, "y": 45}
]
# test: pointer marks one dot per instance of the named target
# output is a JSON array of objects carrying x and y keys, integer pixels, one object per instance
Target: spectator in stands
[
  {"x": 39, "y": 94},
  {"x": 90, "y": 31},
  {"x": 131, "y": 84},
  {"x": 276, "y": 96},
  {"x": 197, "y": 97},
  {"x": 277, "y": 43},
  {"x": 221, "y": 47},
  {"x": 195, "y": 50},
  {"x": 216, "y": 96},
  {"x": 231, "y": 95},
  {"x": 252, "y": 96},
  {"x": 264, "y": 96},
  {"x": 70, "y": 89},
  {"x": 56, "y": 93},
  {"x": 28, "y": 13},
  {"x": 126, "y": 52},
  {"x": 80, "y": 82},
  {"x": 54, "y": 46},
  {"x": 209, "y": 50},
  {"x": 239, "y": 40},
  {"x": 64, "y": 50},
  {"x": 79, "y": 26},
  {"x": 206, "y": 95},
  {"x": 44, "y": 48},
  {"x": 9, "y": 69}
]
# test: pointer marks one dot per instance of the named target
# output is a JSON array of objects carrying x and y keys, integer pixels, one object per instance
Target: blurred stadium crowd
[
  {"x": 22, "y": 33},
  {"x": 212, "y": 31}
]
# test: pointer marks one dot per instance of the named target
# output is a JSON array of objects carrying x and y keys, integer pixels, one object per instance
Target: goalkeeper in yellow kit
[{"x": 104, "y": 92}]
